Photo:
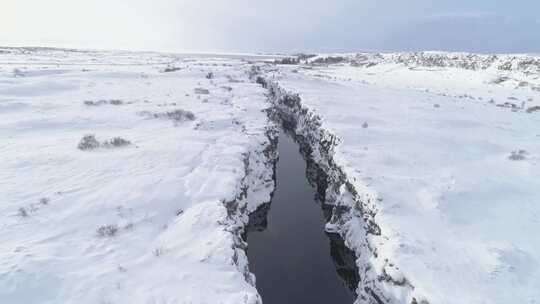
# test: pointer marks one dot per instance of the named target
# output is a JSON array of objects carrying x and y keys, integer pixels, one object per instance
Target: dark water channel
[{"x": 293, "y": 258}]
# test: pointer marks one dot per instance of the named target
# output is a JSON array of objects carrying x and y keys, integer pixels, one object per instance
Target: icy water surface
[{"x": 294, "y": 260}]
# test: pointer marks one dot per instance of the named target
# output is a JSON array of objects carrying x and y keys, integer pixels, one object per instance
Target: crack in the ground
[{"x": 339, "y": 194}]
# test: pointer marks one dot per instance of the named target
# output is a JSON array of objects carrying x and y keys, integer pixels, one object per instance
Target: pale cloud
[{"x": 271, "y": 26}]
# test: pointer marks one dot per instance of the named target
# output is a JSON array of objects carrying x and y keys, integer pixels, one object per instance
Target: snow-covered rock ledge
[
  {"x": 253, "y": 192},
  {"x": 127, "y": 177},
  {"x": 354, "y": 210},
  {"x": 446, "y": 157}
]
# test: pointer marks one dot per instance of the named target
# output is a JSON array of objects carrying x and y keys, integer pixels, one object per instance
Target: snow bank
[
  {"x": 448, "y": 157},
  {"x": 153, "y": 218}
]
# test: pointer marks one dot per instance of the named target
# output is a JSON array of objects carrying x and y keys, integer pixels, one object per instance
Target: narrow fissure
[{"x": 293, "y": 258}]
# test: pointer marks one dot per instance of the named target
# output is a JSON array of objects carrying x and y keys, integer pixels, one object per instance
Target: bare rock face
[
  {"x": 522, "y": 63},
  {"x": 318, "y": 145}
]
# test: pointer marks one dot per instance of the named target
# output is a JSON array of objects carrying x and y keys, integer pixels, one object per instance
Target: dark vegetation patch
[
  {"x": 170, "y": 69},
  {"x": 329, "y": 60},
  {"x": 177, "y": 116},
  {"x": 202, "y": 91},
  {"x": 22, "y": 212},
  {"x": 107, "y": 231},
  {"x": 518, "y": 155},
  {"x": 157, "y": 252},
  {"x": 115, "y": 102},
  {"x": 288, "y": 60},
  {"x": 89, "y": 142},
  {"x": 116, "y": 143},
  {"x": 533, "y": 109},
  {"x": 32, "y": 208},
  {"x": 509, "y": 105}
]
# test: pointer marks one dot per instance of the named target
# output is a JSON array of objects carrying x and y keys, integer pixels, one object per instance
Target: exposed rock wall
[{"x": 352, "y": 216}]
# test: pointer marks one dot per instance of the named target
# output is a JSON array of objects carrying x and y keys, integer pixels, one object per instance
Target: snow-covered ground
[
  {"x": 443, "y": 147},
  {"x": 138, "y": 222},
  {"x": 449, "y": 158}
]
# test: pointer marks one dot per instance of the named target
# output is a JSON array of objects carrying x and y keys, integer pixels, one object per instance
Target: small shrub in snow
[
  {"x": 415, "y": 301},
  {"x": 22, "y": 212},
  {"x": 177, "y": 115},
  {"x": 365, "y": 125},
  {"x": 157, "y": 252},
  {"x": 518, "y": 155},
  {"x": 116, "y": 142},
  {"x": 107, "y": 231},
  {"x": 88, "y": 142},
  {"x": 180, "y": 115},
  {"x": 171, "y": 69},
  {"x": 44, "y": 201},
  {"x": 122, "y": 269},
  {"x": 92, "y": 103},
  {"x": 533, "y": 109},
  {"x": 509, "y": 105},
  {"x": 210, "y": 75},
  {"x": 436, "y": 105},
  {"x": 202, "y": 91}
]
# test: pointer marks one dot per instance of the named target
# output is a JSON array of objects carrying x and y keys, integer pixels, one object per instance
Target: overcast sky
[{"x": 274, "y": 25}]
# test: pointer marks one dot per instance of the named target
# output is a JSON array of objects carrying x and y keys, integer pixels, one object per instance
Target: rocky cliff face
[
  {"x": 352, "y": 216},
  {"x": 259, "y": 167}
]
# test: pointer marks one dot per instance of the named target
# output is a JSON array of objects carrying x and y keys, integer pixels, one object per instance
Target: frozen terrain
[
  {"x": 442, "y": 153},
  {"x": 129, "y": 177},
  {"x": 141, "y": 219}
]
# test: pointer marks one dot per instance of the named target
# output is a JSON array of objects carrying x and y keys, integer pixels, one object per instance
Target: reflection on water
[{"x": 289, "y": 251}]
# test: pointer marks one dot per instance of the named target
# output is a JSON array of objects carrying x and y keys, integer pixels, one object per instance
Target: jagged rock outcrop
[
  {"x": 520, "y": 63},
  {"x": 352, "y": 215},
  {"x": 259, "y": 167}
]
